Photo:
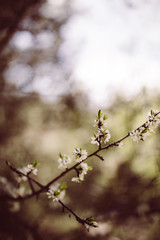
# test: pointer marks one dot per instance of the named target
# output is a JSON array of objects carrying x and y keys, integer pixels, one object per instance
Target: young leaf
[
  {"x": 99, "y": 114},
  {"x": 63, "y": 186},
  {"x": 35, "y": 163}
]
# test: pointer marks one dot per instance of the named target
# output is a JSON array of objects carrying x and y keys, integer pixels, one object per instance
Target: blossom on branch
[
  {"x": 56, "y": 192},
  {"x": 63, "y": 160},
  {"x": 136, "y": 135},
  {"x": 95, "y": 139},
  {"x": 82, "y": 171},
  {"x": 153, "y": 120},
  {"x": 101, "y": 122},
  {"x": 79, "y": 155},
  {"x": 28, "y": 169},
  {"x": 142, "y": 132},
  {"x": 90, "y": 222},
  {"x": 102, "y": 135}
]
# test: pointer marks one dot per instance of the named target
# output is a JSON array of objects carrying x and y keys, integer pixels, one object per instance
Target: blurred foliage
[{"x": 122, "y": 193}]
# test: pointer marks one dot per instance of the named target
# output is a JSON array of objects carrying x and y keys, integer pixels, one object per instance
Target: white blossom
[
  {"x": 95, "y": 139},
  {"x": 75, "y": 179},
  {"x": 82, "y": 172},
  {"x": 64, "y": 160},
  {"x": 79, "y": 154},
  {"x": 151, "y": 114},
  {"x": 102, "y": 134},
  {"x": 86, "y": 226},
  {"x": 142, "y": 132},
  {"x": 136, "y": 135},
  {"x": 101, "y": 122},
  {"x": 27, "y": 170},
  {"x": 32, "y": 169},
  {"x": 90, "y": 222},
  {"x": 55, "y": 193},
  {"x": 153, "y": 119},
  {"x": 84, "y": 168},
  {"x": 106, "y": 136}
]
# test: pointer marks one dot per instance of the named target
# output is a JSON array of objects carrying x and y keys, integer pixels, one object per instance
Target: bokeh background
[{"x": 61, "y": 61}]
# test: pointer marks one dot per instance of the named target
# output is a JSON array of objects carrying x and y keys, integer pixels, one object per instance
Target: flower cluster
[
  {"x": 102, "y": 135},
  {"x": 79, "y": 155},
  {"x": 153, "y": 120},
  {"x": 81, "y": 172},
  {"x": 57, "y": 192},
  {"x": 90, "y": 222},
  {"x": 64, "y": 160},
  {"x": 30, "y": 168}
]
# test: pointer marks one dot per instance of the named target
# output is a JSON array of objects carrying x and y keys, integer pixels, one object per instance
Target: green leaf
[
  {"x": 90, "y": 221},
  {"x": 56, "y": 193},
  {"x": 105, "y": 117},
  {"x": 99, "y": 114},
  {"x": 89, "y": 168},
  {"x": 63, "y": 186},
  {"x": 35, "y": 163},
  {"x": 145, "y": 130}
]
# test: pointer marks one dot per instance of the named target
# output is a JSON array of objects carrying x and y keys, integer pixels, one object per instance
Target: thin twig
[{"x": 22, "y": 174}]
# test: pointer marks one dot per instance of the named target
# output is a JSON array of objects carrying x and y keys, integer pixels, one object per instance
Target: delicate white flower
[
  {"x": 101, "y": 134},
  {"x": 135, "y": 136},
  {"x": 82, "y": 171},
  {"x": 84, "y": 167},
  {"x": 153, "y": 119},
  {"x": 90, "y": 222},
  {"x": 86, "y": 226},
  {"x": 153, "y": 124},
  {"x": 27, "y": 170},
  {"x": 151, "y": 115},
  {"x": 79, "y": 155},
  {"x": 76, "y": 179},
  {"x": 32, "y": 169},
  {"x": 55, "y": 193},
  {"x": 95, "y": 139},
  {"x": 101, "y": 122},
  {"x": 140, "y": 134},
  {"x": 107, "y": 136},
  {"x": 64, "y": 160},
  {"x": 23, "y": 170},
  {"x": 95, "y": 224},
  {"x": 141, "y": 129}
]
